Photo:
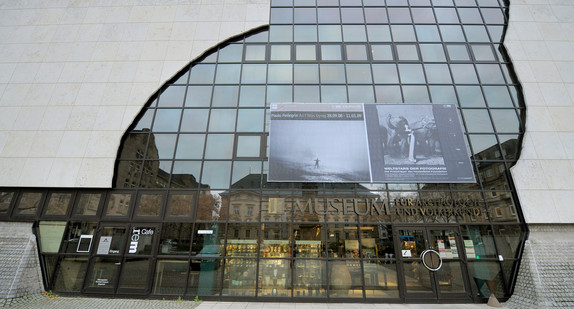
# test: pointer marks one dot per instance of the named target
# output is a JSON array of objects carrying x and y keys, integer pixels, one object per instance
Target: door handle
[{"x": 118, "y": 263}]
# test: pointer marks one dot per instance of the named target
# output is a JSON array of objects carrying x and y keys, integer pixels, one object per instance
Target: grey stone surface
[
  {"x": 97, "y": 303},
  {"x": 19, "y": 262},
  {"x": 546, "y": 275}
]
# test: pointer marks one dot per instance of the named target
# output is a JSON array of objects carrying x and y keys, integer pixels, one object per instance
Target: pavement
[{"x": 46, "y": 302}]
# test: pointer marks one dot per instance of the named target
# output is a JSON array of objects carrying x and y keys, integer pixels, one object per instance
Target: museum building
[{"x": 192, "y": 209}]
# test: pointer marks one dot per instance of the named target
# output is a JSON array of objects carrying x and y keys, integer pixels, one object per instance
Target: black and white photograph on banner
[
  {"x": 420, "y": 143},
  {"x": 318, "y": 143},
  {"x": 411, "y": 135}
]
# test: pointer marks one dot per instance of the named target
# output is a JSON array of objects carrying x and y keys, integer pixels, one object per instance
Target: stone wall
[
  {"x": 546, "y": 275},
  {"x": 21, "y": 275}
]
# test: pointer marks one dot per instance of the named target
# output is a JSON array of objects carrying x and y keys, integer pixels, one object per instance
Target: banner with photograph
[{"x": 376, "y": 143}]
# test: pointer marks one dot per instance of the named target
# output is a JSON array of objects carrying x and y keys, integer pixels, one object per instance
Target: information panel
[{"x": 378, "y": 143}]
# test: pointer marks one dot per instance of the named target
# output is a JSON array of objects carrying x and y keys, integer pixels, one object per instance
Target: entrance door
[
  {"x": 122, "y": 260},
  {"x": 432, "y": 264}
]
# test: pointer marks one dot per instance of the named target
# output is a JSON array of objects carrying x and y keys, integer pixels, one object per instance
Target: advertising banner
[{"x": 375, "y": 143}]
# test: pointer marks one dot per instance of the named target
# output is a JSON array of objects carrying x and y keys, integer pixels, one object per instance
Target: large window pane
[
  {"x": 219, "y": 146},
  {"x": 175, "y": 238},
  {"x": 332, "y": 73},
  {"x": 239, "y": 277},
  {"x": 306, "y": 73},
  {"x": 180, "y": 205},
  {"x": 29, "y": 203},
  {"x": 227, "y": 73},
  {"x": 225, "y": 96},
  {"x": 50, "y": 235},
  {"x": 253, "y": 74},
  {"x": 198, "y": 96},
  {"x": 88, "y": 204},
  {"x": 190, "y": 146},
  {"x": 248, "y": 146},
  {"x": 358, "y": 74},
  {"x": 58, "y": 204},
  {"x": 70, "y": 275},
  {"x": 222, "y": 120},
  {"x": 216, "y": 174},
  {"x": 380, "y": 279},
  {"x": 170, "y": 277},
  {"x": 149, "y": 204}
]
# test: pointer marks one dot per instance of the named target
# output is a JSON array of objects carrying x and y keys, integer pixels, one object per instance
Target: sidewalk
[{"x": 102, "y": 303}]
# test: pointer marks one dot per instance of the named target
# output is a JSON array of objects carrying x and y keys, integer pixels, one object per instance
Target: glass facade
[{"x": 192, "y": 214}]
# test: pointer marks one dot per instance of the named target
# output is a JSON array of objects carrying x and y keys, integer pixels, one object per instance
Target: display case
[
  {"x": 241, "y": 247},
  {"x": 275, "y": 248},
  {"x": 307, "y": 249}
]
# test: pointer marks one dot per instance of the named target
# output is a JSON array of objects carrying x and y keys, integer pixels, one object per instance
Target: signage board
[{"x": 374, "y": 143}]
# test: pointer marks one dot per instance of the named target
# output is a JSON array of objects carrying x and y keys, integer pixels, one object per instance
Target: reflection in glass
[
  {"x": 104, "y": 273},
  {"x": 308, "y": 94},
  {"x": 149, "y": 204},
  {"x": 253, "y": 74},
  {"x": 255, "y": 52},
  {"x": 407, "y": 52},
  {"x": 380, "y": 279},
  {"x": 379, "y": 33},
  {"x": 58, "y": 204},
  {"x": 225, "y": 96},
  {"x": 222, "y": 120},
  {"x": 482, "y": 272},
  {"x": 170, "y": 277},
  {"x": 172, "y": 97},
  {"x": 251, "y": 96},
  {"x": 118, "y": 204},
  {"x": 219, "y": 146},
  {"x": 388, "y": 94},
  {"x": 477, "y": 120},
  {"x": 479, "y": 34},
  {"x": 180, "y": 205},
  {"x": 205, "y": 277},
  {"x": 442, "y": 94},
  {"x": 330, "y": 33},
  {"x": 345, "y": 279},
  {"x": 70, "y": 274},
  {"x": 166, "y": 120},
  {"x": 280, "y": 52},
  {"x": 334, "y": 94},
  {"x": 275, "y": 278},
  {"x": 88, "y": 204},
  {"x": 382, "y": 52},
  {"x": 358, "y": 73},
  {"x": 427, "y": 33},
  {"x": 227, "y": 74},
  {"x": 198, "y": 96},
  {"x": 239, "y": 277},
  {"x": 451, "y": 33},
  {"x": 305, "y": 33},
  {"x": 216, "y": 174},
  {"x": 248, "y": 146},
  {"x": 432, "y": 53},
  {"x": 29, "y": 203},
  {"x": 175, "y": 238},
  {"x": 134, "y": 273},
  {"x": 280, "y": 73},
  {"x": 304, "y": 52},
  {"x": 309, "y": 278},
  {"x": 306, "y": 73},
  {"x": 470, "y": 96}
]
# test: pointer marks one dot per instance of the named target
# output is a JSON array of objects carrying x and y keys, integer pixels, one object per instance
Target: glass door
[
  {"x": 432, "y": 263},
  {"x": 123, "y": 258}
]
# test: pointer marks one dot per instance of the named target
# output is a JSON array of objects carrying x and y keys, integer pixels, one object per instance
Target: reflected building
[{"x": 192, "y": 213}]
